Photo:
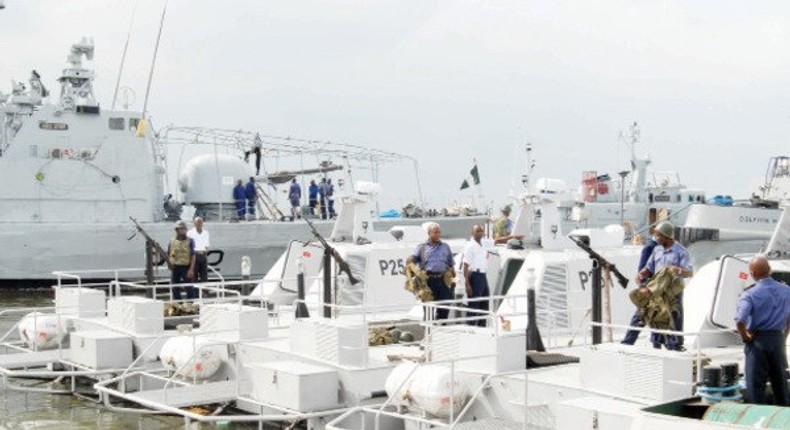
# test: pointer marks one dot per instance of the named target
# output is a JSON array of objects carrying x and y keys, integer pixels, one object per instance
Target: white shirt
[
  {"x": 201, "y": 239},
  {"x": 476, "y": 254}
]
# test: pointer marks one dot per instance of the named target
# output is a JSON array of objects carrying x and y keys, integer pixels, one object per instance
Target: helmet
[
  {"x": 507, "y": 209},
  {"x": 665, "y": 229},
  {"x": 181, "y": 224}
]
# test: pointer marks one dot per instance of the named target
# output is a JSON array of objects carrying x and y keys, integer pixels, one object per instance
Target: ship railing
[
  {"x": 168, "y": 379},
  {"x": 59, "y": 366},
  {"x": 699, "y": 357}
]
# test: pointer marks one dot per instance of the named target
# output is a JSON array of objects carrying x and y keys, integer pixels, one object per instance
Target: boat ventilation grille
[
  {"x": 552, "y": 300},
  {"x": 644, "y": 377}
]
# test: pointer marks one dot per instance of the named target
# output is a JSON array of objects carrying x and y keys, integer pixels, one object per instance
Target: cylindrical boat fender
[
  {"x": 429, "y": 388},
  {"x": 41, "y": 331},
  {"x": 178, "y": 355}
]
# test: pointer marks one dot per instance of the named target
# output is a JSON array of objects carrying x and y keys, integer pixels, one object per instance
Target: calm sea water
[{"x": 27, "y": 411}]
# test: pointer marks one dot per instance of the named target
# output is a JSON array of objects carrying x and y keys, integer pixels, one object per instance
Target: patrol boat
[
  {"x": 73, "y": 173},
  {"x": 638, "y": 198}
]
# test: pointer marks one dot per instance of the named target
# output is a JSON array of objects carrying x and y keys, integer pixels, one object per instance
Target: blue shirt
[
  {"x": 438, "y": 256},
  {"x": 330, "y": 189},
  {"x": 313, "y": 190},
  {"x": 676, "y": 255},
  {"x": 766, "y": 306},
  {"x": 238, "y": 193},
  {"x": 322, "y": 189},
  {"x": 647, "y": 251},
  {"x": 295, "y": 193},
  {"x": 249, "y": 190}
]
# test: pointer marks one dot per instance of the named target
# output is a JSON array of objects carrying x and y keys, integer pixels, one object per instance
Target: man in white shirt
[
  {"x": 475, "y": 264},
  {"x": 201, "y": 238}
]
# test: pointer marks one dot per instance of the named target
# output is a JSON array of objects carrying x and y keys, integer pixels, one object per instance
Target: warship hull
[{"x": 31, "y": 252}]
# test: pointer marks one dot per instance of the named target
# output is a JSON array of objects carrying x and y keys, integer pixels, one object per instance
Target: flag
[{"x": 473, "y": 179}]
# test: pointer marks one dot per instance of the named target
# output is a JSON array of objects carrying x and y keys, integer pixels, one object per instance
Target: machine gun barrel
[
  {"x": 342, "y": 264},
  {"x": 151, "y": 240},
  {"x": 622, "y": 280}
]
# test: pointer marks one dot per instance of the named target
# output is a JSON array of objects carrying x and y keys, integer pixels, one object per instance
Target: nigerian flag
[{"x": 473, "y": 179}]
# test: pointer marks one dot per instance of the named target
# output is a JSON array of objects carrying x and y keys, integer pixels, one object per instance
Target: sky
[{"x": 449, "y": 82}]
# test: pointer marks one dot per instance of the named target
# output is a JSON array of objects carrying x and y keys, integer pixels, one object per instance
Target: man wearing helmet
[
  {"x": 181, "y": 261},
  {"x": 669, "y": 253}
]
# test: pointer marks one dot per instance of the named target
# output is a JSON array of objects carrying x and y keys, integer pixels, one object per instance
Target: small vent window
[
  {"x": 133, "y": 123},
  {"x": 58, "y": 126},
  {"x": 117, "y": 123}
]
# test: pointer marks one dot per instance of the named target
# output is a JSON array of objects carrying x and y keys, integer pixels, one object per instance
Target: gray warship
[{"x": 73, "y": 174}]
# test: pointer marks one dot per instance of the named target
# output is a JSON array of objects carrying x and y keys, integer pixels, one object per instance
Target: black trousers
[
  {"x": 440, "y": 292},
  {"x": 766, "y": 361},
  {"x": 179, "y": 276},
  {"x": 479, "y": 286},
  {"x": 201, "y": 267}
]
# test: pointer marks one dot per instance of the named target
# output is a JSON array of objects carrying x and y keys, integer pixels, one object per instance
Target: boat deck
[{"x": 27, "y": 360}]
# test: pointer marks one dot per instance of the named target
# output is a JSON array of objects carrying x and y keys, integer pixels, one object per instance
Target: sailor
[
  {"x": 238, "y": 197},
  {"x": 763, "y": 321},
  {"x": 322, "y": 197},
  {"x": 312, "y": 195},
  {"x": 295, "y": 196},
  {"x": 668, "y": 253},
  {"x": 503, "y": 226},
  {"x": 181, "y": 261},
  {"x": 201, "y": 238},
  {"x": 256, "y": 150},
  {"x": 436, "y": 259},
  {"x": 475, "y": 260},
  {"x": 251, "y": 194},
  {"x": 647, "y": 250},
  {"x": 330, "y": 192}
]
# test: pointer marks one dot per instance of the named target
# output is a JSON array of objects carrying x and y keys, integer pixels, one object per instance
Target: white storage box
[
  {"x": 233, "y": 322},
  {"x": 635, "y": 373},
  {"x": 80, "y": 302},
  {"x": 297, "y": 386},
  {"x": 462, "y": 341},
  {"x": 337, "y": 342},
  {"x": 595, "y": 413},
  {"x": 101, "y": 349},
  {"x": 138, "y": 315}
]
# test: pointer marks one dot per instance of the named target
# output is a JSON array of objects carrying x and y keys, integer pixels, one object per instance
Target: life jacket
[
  {"x": 180, "y": 252},
  {"x": 501, "y": 226},
  {"x": 656, "y": 309}
]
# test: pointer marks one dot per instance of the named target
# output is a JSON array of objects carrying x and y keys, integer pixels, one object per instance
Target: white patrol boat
[{"x": 73, "y": 172}]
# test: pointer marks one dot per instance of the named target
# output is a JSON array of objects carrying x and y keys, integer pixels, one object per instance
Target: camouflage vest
[{"x": 180, "y": 254}]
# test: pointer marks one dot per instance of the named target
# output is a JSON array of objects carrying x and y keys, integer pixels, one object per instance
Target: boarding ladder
[{"x": 266, "y": 206}]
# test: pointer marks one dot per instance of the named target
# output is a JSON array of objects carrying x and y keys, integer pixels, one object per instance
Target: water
[{"x": 27, "y": 411}]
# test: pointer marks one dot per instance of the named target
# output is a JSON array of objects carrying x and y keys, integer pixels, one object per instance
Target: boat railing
[{"x": 699, "y": 357}]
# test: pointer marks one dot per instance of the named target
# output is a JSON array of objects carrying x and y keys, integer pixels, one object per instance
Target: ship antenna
[
  {"x": 153, "y": 61},
  {"x": 123, "y": 58}
]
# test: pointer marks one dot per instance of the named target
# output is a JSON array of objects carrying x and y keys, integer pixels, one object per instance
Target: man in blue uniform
[
  {"x": 647, "y": 250},
  {"x": 295, "y": 196},
  {"x": 763, "y": 320},
  {"x": 238, "y": 198},
  {"x": 435, "y": 258},
  {"x": 251, "y": 194},
  {"x": 668, "y": 253},
  {"x": 330, "y": 198},
  {"x": 312, "y": 196},
  {"x": 322, "y": 197}
]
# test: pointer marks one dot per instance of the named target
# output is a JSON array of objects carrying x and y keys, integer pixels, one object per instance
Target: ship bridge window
[
  {"x": 133, "y": 123},
  {"x": 117, "y": 123},
  {"x": 58, "y": 126}
]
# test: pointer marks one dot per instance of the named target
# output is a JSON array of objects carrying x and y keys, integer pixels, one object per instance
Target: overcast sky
[{"x": 450, "y": 81}]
